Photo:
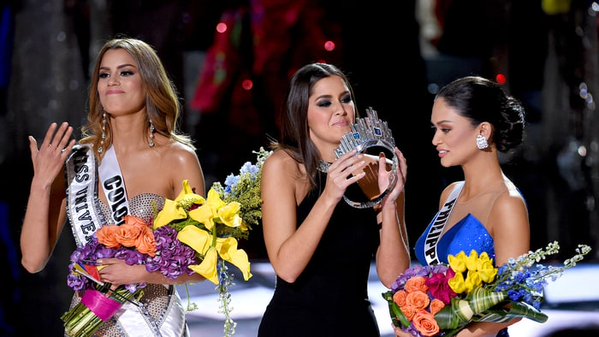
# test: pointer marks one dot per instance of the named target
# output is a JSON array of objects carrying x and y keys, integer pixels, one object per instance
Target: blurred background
[{"x": 231, "y": 62}]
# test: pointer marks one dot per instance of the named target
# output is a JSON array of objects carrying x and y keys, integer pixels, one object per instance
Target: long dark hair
[{"x": 295, "y": 134}]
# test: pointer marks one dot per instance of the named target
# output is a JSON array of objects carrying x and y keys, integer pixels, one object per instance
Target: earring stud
[{"x": 481, "y": 142}]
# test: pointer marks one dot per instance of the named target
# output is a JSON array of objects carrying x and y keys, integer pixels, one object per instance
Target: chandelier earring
[
  {"x": 103, "y": 136},
  {"x": 481, "y": 142},
  {"x": 152, "y": 131}
]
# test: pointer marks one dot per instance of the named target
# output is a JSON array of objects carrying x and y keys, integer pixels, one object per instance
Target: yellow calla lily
[
  {"x": 177, "y": 209},
  {"x": 208, "y": 268},
  {"x": 229, "y": 214},
  {"x": 170, "y": 212},
  {"x": 227, "y": 249},
  {"x": 458, "y": 263},
  {"x": 201, "y": 241},
  {"x": 206, "y": 213},
  {"x": 196, "y": 238}
]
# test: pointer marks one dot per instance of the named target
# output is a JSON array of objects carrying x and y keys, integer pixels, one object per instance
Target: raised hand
[{"x": 48, "y": 160}]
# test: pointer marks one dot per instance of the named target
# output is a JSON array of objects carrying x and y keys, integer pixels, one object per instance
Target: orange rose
[
  {"x": 425, "y": 323},
  {"x": 107, "y": 236},
  {"x": 127, "y": 234},
  {"x": 416, "y": 283},
  {"x": 146, "y": 243},
  {"x": 418, "y": 300},
  {"x": 409, "y": 311},
  {"x": 400, "y": 298},
  {"x": 436, "y": 306}
]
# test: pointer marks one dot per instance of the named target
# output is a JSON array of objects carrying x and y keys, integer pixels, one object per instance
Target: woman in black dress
[{"x": 320, "y": 247}]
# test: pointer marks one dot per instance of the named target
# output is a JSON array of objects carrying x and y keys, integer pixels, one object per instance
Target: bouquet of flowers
[
  {"x": 441, "y": 300},
  {"x": 191, "y": 234}
]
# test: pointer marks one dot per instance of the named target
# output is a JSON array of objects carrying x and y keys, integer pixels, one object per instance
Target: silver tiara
[{"x": 367, "y": 132}]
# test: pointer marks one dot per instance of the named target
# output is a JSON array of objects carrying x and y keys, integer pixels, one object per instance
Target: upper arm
[
  {"x": 279, "y": 204},
  {"x": 185, "y": 165},
  {"x": 508, "y": 221}
]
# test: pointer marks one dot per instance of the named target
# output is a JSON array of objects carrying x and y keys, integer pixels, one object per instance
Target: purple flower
[{"x": 173, "y": 258}]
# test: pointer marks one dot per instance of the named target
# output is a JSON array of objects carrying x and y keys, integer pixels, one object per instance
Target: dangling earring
[
  {"x": 104, "y": 123},
  {"x": 152, "y": 130},
  {"x": 481, "y": 142}
]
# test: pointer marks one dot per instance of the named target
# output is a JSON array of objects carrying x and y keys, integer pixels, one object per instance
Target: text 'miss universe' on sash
[{"x": 82, "y": 192}]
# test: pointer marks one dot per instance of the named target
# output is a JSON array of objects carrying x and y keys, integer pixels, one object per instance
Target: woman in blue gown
[{"x": 474, "y": 120}]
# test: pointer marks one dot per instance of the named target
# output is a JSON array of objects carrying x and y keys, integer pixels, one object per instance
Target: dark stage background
[{"x": 232, "y": 86}]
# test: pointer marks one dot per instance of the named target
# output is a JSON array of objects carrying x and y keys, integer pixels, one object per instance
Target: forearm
[
  {"x": 483, "y": 329},
  {"x": 393, "y": 256},
  {"x": 36, "y": 241},
  {"x": 159, "y": 278}
]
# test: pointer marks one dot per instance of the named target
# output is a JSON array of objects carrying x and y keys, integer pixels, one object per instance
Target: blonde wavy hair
[{"x": 162, "y": 103}]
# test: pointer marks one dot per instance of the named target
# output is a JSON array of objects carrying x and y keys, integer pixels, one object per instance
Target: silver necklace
[{"x": 323, "y": 166}]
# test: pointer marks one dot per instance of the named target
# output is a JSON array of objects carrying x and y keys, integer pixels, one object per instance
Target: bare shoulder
[
  {"x": 511, "y": 200},
  {"x": 182, "y": 163},
  {"x": 280, "y": 163},
  {"x": 447, "y": 191},
  {"x": 509, "y": 211},
  {"x": 179, "y": 154}
]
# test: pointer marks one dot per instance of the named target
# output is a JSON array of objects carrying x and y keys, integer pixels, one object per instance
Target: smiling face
[
  {"x": 120, "y": 86},
  {"x": 331, "y": 112},
  {"x": 455, "y": 136}
]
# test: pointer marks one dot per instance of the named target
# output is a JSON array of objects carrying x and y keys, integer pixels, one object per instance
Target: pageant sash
[
  {"x": 82, "y": 194},
  {"x": 113, "y": 185},
  {"x": 438, "y": 226}
]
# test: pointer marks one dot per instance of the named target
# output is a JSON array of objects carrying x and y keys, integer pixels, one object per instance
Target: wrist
[{"x": 40, "y": 186}]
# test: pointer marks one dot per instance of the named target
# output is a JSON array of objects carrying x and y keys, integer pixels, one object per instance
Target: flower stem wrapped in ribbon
[{"x": 133, "y": 242}]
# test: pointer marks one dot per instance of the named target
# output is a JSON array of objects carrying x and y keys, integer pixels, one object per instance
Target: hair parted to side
[
  {"x": 294, "y": 133},
  {"x": 482, "y": 100},
  {"x": 162, "y": 103}
]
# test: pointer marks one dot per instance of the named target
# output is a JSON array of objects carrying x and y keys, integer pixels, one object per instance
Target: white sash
[
  {"x": 438, "y": 226},
  {"x": 85, "y": 218},
  {"x": 82, "y": 194},
  {"x": 113, "y": 185}
]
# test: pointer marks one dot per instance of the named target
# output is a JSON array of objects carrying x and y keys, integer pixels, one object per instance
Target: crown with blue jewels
[{"x": 367, "y": 132}]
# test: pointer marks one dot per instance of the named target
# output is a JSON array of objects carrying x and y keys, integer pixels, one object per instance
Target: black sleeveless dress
[{"x": 330, "y": 297}]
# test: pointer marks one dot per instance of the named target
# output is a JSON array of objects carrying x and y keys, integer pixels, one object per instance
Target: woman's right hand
[
  {"x": 341, "y": 174},
  {"x": 50, "y": 157},
  {"x": 400, "y": 333}
]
